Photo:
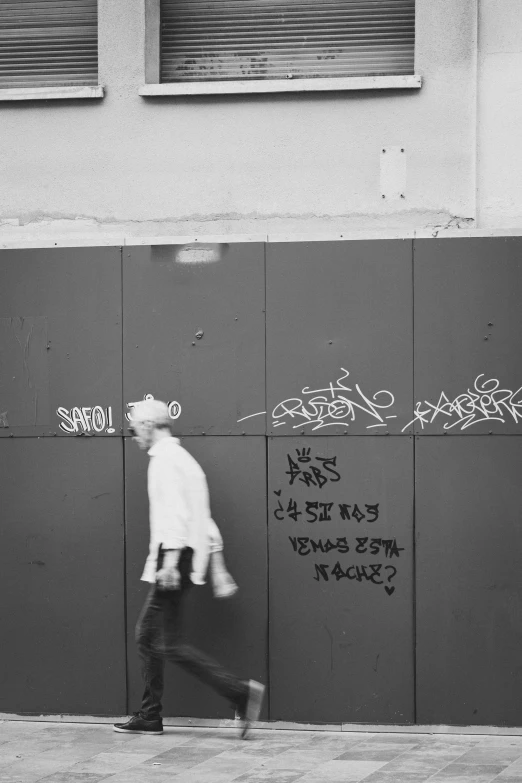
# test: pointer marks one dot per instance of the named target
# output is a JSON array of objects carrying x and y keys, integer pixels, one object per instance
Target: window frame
[
  {"x": 153, "y": 87},
  {"x": 64, "y": 92}
]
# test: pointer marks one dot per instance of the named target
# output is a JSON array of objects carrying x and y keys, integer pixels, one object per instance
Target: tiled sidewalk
[{"x": 68, "y": 752}]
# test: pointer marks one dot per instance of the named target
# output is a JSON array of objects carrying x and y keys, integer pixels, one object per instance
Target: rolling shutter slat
[
  {"x": 218, "y": 40},
  {"x": 48, "y": 43}
]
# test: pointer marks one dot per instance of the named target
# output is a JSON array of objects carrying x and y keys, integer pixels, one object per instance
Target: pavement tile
[
  {"x": 365, "y": 754},
  {"x": 300, "y": 759},
  {"x": 516, "y": 762},
  {"x": 220, "y": 769},
  {"x": 32, "y": 768},
  {"x": 144, "y": 774},
  {"x": 500, "y": 739},
  {"x": 435, "y": 746},
  {"x": 73, "y": 777},
  {"x": 340, "y": 772},
  {"x": 396, "y": 737},
  {"x": 265, "y": 749},
  {"x": 72, "y": 753},
  {"x": 509, "y": 775},
  {"x": 185, "y": 758},
  {"x": 492, "y": 754},
  {"x": 18, "y": 727},
  {"x": 468, "y": 773},
  {"x": 332, "y": 742},
  {"x": 262, "y": 775},
  {"x": 11, "y": 752},
  {"x": 31, "y": 752},
  {"x": 144, "y": 744},
  {"x": 221, "y": 742},
  {"x": 10, "y": 776},
  {"x": 397, "y": 777},
  {"x": 373, "y": 745},
  {"x": 417, "y": 764},
  {"x": 110, "y": 762}
]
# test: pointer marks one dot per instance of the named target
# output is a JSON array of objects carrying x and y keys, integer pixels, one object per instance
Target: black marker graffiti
[
  {"x": 374, "y": 573},
  {"x": 306, "y": 546},
  {"x": 318, "y": 511},
  {"x": 313, "y": 476}
]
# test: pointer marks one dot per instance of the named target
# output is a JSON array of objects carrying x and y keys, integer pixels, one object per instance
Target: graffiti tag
[
  {"x": 173, "y": 406},
  {"x": 485, "y": 402},
  {"x": 77, "y": 420},
  {"x": 337, "y": 404}
]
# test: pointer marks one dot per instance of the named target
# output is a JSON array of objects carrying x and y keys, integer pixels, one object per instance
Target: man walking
[{"x": 183, "y": 539}]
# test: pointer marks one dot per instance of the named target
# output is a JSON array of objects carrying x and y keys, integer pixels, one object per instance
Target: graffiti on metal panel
[
  {"x": 86, "y": 420},
  {"x": 318, "y": 472},
  {"x": 335, "y": 404},
  {"x": 485, "y": 402},
  {"x": 173, "y": 406},
  {"x": 338, "y": 404},
  {"x": 97, "y": 419}
]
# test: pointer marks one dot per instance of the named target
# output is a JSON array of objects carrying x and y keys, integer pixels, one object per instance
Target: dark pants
[{"x": 159, "y": 636}]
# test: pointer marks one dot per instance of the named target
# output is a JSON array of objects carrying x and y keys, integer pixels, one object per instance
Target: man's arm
[
  {"x": 172, "y": 517},
  {"x": 223, "y": 585}
]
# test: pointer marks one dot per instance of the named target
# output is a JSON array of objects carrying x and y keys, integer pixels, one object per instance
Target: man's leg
[
  {"x": 245, "y": 696},
  {"x": 148, "y": 631},
  {"x": 174, "y": 649}
]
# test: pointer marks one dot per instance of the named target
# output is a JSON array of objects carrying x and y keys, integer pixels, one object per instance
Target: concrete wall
[{"x": 291, "y": 163}]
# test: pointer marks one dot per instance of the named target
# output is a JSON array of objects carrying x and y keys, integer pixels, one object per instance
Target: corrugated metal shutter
[
  {"x": 208, "y": 40},
  {"x": 48, "y": 43}
]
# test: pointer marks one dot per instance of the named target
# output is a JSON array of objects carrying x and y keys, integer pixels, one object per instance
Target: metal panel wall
[
  {"x": 234, "y": 631},
  {"x": 62, "y": 555},
  {"x": 339, "y": 361},
  {"x": 468, "y": 543},
  {"x": 468, "y": 339},
  {"x": 61, "y": 566},
  {"x": 195, "y": 333},
  {"x": 341, "y": 579},
  {"x": 339, "y": 337},
  {"x": 469, "y": 580},
  {"x": 60, "y": 342}
]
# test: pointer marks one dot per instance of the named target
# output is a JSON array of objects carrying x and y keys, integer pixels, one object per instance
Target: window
[
  {"x": 48, "y": 43},
  {"x": 255, "y": 40}
]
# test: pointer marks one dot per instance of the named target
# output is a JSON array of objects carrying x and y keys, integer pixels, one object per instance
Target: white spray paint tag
[{"x": 95, "y": 419}]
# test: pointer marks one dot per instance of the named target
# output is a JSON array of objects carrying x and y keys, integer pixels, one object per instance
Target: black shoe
[
  {"x": 252, "y": 706},
  {"x": 139, "y": 725}
]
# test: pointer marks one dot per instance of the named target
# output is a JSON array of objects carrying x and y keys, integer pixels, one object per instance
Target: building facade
[{"x": 322, "y": 276}]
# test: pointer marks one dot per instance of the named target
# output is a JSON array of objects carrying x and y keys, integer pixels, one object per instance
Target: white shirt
[{"x": 179, "y": 509}]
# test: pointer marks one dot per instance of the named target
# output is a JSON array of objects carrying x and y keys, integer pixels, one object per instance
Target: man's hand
[
  {"x": 223, "y": 585},
  {"x": 168, "y": 578}
]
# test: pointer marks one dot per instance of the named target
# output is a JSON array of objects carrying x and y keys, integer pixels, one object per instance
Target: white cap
[{"x": 154, "y": 411}]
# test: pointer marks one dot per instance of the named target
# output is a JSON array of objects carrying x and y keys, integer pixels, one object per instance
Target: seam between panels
[
  {"x": 414, "y": 478},
  {"x": 124, "y": 485},
  {"x": 269, "y": 689}
]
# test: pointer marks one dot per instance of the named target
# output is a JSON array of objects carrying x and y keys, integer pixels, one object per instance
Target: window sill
[
  {"x": 283, "y": 85},
  {"x": 49, "y": 93}
]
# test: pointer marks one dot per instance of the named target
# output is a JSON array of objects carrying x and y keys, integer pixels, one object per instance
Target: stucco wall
[
  {"x": 246, "y": 163},
  {"x": 500, "y": 114}
]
